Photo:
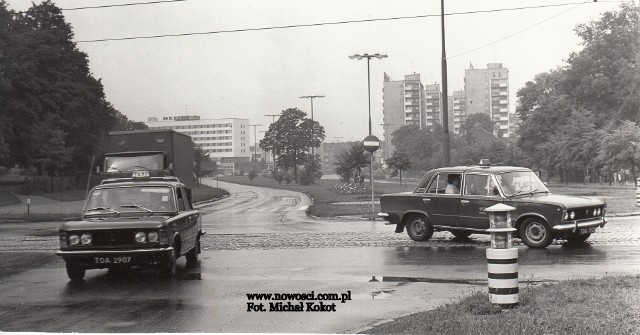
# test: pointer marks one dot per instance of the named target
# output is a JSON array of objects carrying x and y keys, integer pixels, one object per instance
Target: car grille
[
  {"x": 585, "y": 213},
  {"x": 113, "y": 237}
]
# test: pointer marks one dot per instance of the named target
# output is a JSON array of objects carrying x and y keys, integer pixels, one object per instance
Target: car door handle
[
  {"x": 464, "y": 202},
  {"x": 425, "y": 200}
]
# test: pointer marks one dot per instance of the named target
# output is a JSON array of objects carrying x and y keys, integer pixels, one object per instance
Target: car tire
[
  {"x": 192, "y": 256},
  {"x": 460, "y": 233},
  {"x": 535, "y": 233},
  {"x": 575, "y": 239},
  {"x": 418, "y": 228},
  {"x": 75, "y": 272},
  {"x": 170, "y": 267}
]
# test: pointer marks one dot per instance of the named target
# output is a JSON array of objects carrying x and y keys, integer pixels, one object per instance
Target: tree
[
  {"x": 44, "y": 77},
  {"x": 399, "y": 161},
  {"x": 350, "y": 162},
  {"x": 424, "y": 146},
  {"x": 621, "y": 147},
  {"x": 312, "y": 171},
  {"x": 122, "y": 122},
  {"x": 476, "y": 120},
  {"x": 199, "y": 156},
  {"x": 291, "y": 138}
]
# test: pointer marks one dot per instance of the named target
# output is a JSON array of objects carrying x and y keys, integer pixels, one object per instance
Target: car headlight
[
  {"x": 85, "y": 239},
  {"x": 141, "y": 237},
  {"x": 596, "y": 212},
  {"x": 153, "y": 237},
  {"x": 74, "y": 240},
  {"x": 566, "y": 216},
  {"x": 572, "y": 215}
]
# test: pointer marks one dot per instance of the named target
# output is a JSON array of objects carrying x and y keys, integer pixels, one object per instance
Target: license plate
[
  {"x": 112, "y": 260},
  {"x": 584, "y": 231}
]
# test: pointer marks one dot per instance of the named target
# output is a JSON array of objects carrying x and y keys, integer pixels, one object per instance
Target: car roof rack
[{"x": 123, "y": 180}]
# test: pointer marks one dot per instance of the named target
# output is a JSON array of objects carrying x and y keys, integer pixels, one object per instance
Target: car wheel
[
  {"x": 574, "y": 238},
  {"x": 460, "y": 234},
  {"x": 192, "y": 256},
  {"x": 170, "y": 266},
  {"x": 75, "y": 273},
  {"x": 535, "y": 233},
  {"x": 418, "y": 228}
]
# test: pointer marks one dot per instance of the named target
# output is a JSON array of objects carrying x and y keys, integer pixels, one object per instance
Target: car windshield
[
  {"x": 130, "y": 163},
  {"x": 520, "y": 182},
  {"x": 131, "y": 199}
]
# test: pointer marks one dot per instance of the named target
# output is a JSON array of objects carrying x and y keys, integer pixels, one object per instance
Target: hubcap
[
  {"x": 536, "y": 232},
  {"x": 418, "y": 227}
]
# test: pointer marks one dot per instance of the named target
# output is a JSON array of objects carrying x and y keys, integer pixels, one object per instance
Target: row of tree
[{"x": 53, "y": 112}]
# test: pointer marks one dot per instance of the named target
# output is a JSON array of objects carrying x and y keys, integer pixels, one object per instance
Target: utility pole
[
  {"x": 310, "y": 97},
  {"x": 273, "y": 120},
  {"x": 446, "y": 150},
  {"x": 255, "y": 143}
]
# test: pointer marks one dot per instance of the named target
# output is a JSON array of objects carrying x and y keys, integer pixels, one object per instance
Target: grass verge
[
  {"x": 327, "y": 202},
  {"x": 608, "y": 305}
]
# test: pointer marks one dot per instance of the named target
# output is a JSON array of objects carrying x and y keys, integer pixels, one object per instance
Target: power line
[
  {"x": 517, "y": 32},
  {"x": 326, "y": 23},
  {"x": 110, "y": 6}
]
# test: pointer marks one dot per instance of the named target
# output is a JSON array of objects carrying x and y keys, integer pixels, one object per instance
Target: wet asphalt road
[{"x": 262, "y": 242}]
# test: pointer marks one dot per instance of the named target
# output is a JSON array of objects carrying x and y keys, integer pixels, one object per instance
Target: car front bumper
[
  {"x": 98, "y": 259},
  {"x": 573, "y": 226}
]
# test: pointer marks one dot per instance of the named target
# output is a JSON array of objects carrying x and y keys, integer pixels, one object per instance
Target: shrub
[{"x": 252, "y": 174}]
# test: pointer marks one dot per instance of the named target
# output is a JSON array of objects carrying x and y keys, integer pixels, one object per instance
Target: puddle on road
[{"x": 404, "y": 279}]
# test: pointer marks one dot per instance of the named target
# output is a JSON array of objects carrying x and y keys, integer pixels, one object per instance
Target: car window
[
  {"x": 445, "y": 183},
  {"x": 187, "y": 201},
  {"x": 480, "y": 184},
  {"x": 180, "y": 200}
]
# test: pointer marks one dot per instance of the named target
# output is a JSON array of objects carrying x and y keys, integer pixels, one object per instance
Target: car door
[
  {"x": 190, "y": 219},
  {"x": 479, "y": 192},
  {"x": 441, "y": 207}
]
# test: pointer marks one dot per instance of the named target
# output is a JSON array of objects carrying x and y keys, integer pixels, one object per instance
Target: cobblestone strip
[{"x": 318, "y": 240}]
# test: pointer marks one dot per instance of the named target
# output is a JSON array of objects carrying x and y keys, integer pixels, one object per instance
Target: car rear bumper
[{"x": 575, "y": 225}]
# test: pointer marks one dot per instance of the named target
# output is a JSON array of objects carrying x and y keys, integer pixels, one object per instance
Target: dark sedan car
[
  {"x": 437, "y": 204},
  {"x": 132, "y": 223}
]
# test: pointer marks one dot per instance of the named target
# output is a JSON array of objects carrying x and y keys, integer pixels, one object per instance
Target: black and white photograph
[{"x": 320, "y": 166}]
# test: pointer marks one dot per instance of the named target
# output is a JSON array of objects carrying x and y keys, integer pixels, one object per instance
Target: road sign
[{"x": 371, "y": 143}]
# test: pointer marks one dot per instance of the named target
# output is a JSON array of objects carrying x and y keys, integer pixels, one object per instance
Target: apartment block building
[
  {"x": 433, "y": 110},
  {"x": 487, "y": 91},
  {"x": 225, "y": 140},
  {"x": 457, "y": 111},
  {"x": 404, "y": 102}
]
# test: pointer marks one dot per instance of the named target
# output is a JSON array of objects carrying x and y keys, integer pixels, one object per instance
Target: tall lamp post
[
  {"x": 310, "y": 97},
  {"x": 368, "y": 57},
  {"x": 446, "y": 151},
  {"x": 255, "y": 143}
]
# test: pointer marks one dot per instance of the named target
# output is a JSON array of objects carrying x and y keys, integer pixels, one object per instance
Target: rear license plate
[
  {"x": 112, "y": 260},
  {"x": 584, "y": 231}
]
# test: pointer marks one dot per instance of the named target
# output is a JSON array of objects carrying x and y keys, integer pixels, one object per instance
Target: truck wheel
[
  {"x": 192, "y": 256},
  {"x": 574, "y": 238},
  {"x": 535, "y": 233},
  {"x": 170, "y": 266},
  {"x": 75, "y": 272},
  {"x": 460, "y": 233},
  {"x": 418, "y": 228}
]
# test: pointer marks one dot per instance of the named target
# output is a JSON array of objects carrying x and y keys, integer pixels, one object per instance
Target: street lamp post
[
  {"x": 310, "y": 97},
  {"x": 368, "y": 57},
  {"x": 255, "y": 144},
  {"x": 446, "y": 150}
]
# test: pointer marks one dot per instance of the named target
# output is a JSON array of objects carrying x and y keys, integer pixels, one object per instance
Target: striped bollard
[
  {"x": 502, "y": 258},
  {"x": 638, "y": 195}
]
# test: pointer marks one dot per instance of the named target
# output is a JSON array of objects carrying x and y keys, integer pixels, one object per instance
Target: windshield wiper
[
  {"x": 139, "y": 207},
  {"x": 103, "y": 209}
]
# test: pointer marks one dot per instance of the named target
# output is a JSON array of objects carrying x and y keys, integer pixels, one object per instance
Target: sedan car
[
  {"x": 132, "y": 223},
  {"x": 539, "y": 216}
]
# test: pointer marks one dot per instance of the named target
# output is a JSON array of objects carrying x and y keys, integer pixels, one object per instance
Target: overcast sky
[{"x": 252, "y": 73}]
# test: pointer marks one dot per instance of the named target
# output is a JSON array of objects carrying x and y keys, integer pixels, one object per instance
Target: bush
[
  {"x": 252, "y": 174},
  {"x": 350, "y": 188}
]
